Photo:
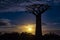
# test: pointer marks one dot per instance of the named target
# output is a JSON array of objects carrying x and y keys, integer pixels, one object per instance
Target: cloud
[
  {"x": 53, "y": 23},
  {"x": 6, "y": 26},
  {"x": 5, "y": 23},
  {"x": 12, "y": 7},
  {"x": 51, "y": 27},
  {"x": 19, "y": 5},
  {"x": 44, "y": 24}
]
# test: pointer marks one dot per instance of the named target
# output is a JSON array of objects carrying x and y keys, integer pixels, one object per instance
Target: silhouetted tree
[{"x": 37, "y": 10}]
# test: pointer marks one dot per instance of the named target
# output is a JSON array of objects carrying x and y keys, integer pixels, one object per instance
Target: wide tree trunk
[{"x": 38, "y": 28}]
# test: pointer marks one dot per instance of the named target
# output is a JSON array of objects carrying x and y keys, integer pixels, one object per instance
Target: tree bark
[{"x": 38, "y": 28}]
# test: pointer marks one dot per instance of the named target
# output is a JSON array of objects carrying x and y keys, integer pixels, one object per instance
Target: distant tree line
[{"x": 27, "y": 36}]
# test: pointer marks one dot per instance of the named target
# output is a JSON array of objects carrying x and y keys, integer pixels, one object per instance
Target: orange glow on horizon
[{"x": 30, "y": 28}]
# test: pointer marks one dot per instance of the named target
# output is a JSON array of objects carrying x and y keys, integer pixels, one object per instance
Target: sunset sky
[{"x": 15, "y": 17}]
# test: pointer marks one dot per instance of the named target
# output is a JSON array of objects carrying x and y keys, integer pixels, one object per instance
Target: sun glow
[{"x": 30, "y": 28}]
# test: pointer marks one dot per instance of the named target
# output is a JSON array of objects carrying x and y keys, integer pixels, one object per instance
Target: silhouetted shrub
[
  {"x": 27, "y": 36},
  {"x": 51, "y": 36}
]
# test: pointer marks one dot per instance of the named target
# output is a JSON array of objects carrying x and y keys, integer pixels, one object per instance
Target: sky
[{"x": 13, "y": 16}]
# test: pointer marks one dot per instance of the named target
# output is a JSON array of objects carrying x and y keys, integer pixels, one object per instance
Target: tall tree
[{"x": 37, "y": 10}]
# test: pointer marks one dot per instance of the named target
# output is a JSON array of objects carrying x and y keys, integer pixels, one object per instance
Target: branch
[
  {"x": 34, "y": 13},
  {"x": 32, "y": 10},
  {"x": 44, "y": 9}
]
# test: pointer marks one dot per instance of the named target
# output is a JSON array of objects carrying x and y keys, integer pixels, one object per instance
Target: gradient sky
[{"x": 12, "y": 12}]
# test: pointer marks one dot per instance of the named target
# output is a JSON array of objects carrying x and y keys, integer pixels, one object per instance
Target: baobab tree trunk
[
  {"x": 38, "y": 27},
  {"x": 37, "y": 10}
]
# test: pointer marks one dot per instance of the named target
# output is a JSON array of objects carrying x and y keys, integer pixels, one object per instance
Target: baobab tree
[{"x": 37, "y": 10}]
